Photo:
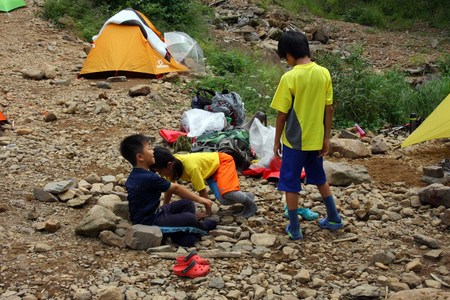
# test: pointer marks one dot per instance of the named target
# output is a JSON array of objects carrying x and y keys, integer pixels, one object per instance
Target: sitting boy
[
  {"x": 144, "y": 191},
  {"x": 217, "y": 168}
]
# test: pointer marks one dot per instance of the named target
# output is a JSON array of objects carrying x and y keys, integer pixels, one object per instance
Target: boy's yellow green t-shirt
[
  {"x": 197, "y": 167},
  {"x": 310, "y": 85}
]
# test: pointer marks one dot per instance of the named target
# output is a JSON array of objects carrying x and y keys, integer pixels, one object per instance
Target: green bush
[
  {"x": 87, "y": 17},
  {"x": 81, "y": 16},
  {"x": 394, "y": 14},
  {"x": 374, "y": 100}
]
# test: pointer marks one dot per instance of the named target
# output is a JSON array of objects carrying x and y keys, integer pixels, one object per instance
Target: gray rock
[
  {"x": 93, "y": 178},
  {"x": 349, "y": 148},
  {"x": 104, "y": 85},
  {"x": 365, "y": 291},
  {"x": 79, "y": 201},
  {"x": 304, "y": 293},
  {"x": 411, "y": 279},
  {"x": 321, "y": 35},
  {"x": 82, "y": 294},
  {"x": 58, "y": 187},
  {"x": 142, "y": 237},
  {"x": 433, "y": 255},
  {"x": 435, "y": 194},
  {"x": 426, "y": 240},
  {"x": 263, "y": 239},
  {"x": 385, "y": 258},
  {"x": 139, "y": 90},
  {"x": 97, "y": 219},
  {"x": 121, "y": 209},
  {"x": 109, "y": 201},
  {"x": 41, "y": 195},
  {"x": 111, "y": 239},
  {"x": 433, "y": 171},
  {"x": 33, "y": 74},
  {"x": 111, "y": 293},
  {"x": 343, "y": 174},
  {"x": 216, "y": 283},
  {"x": 379, "y": 146},
  {"x": 42, "y": 247},
  {"x": 445, "y": 218}
]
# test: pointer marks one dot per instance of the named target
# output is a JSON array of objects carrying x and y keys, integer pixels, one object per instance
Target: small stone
[
  {"x": 433, "y": 255},
  {"x": 50, "y": 117},
  {"x": 426, "y": 240},
  {"x": 52, "y": 225},
  {"x": 414, "y": 265},
  {"x": 42, "y": 247}
]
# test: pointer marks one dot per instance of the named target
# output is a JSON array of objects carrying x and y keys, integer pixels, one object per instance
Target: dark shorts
[{"x": 291, "y": 168}]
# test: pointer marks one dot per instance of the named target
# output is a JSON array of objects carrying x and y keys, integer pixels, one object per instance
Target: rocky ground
[{"x": 391, "y": 242}]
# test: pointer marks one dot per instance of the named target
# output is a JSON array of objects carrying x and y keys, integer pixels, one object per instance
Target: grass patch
[
  {"x": 374, "y": 100},
  {"x": 392, "y": 14}
]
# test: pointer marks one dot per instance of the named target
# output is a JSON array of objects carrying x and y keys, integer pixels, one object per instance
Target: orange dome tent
[{"x": 129, "y": 44}]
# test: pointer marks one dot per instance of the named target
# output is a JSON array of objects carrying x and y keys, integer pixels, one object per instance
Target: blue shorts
[{"x": 291, "y": 168}]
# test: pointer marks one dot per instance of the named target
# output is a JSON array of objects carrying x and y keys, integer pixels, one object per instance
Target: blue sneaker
[
  {"x": 325, "y": 224},
  {"x": 306, "y": 213},
  {"x": 294, "y": 235}
]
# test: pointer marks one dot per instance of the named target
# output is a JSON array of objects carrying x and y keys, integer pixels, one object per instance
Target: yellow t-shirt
[
  {"x": 197, "y": 167},
  {"x": 310, "y": 86}
]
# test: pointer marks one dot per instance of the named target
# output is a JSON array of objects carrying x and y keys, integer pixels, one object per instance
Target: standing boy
[
  {"x": 144, "y": 189},
  {"x": 303, "y": 99}
]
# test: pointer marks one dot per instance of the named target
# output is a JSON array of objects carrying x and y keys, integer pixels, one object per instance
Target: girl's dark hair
[
  {"x": 163, "y": 157},
  {"x": 295, "y": 43},
  {"x": 177, "y": 170},
  {"x": 132, "y": 145}
]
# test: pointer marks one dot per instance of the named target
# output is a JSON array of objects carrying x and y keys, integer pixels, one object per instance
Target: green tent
[{"x": 8, "y": 5}]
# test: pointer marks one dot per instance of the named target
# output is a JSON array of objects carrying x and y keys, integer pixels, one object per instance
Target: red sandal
[
  {"x": 192, "y": 270},
  {"x": 193, "y": 256}
]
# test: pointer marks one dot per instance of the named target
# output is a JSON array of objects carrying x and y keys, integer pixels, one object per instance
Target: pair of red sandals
[{"x": 191, "y": 266}]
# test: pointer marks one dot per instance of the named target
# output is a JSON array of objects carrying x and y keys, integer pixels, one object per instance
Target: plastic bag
[
  {"x": 262, "y": 141},
  {"x": 198, "y": 121}
]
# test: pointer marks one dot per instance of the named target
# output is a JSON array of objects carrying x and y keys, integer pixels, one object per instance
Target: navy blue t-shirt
[{"x": 144, "y": 191}]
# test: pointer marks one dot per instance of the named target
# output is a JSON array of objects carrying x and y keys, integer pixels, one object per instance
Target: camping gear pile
[{"x": 216, "y": 122}]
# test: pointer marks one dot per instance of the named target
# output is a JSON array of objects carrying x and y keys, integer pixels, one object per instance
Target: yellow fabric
[
  {"x": 311, "y": 85},
  {"x": 197, "y": 167},
  {"x": 435, "y": 126},
  {"x": 124, "y": 48}
]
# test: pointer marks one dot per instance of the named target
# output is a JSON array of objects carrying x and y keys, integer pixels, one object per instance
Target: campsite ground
[{"x": 84, "y": 141}]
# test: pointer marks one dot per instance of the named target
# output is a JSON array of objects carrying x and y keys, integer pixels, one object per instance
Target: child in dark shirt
[{"x": 144, "y": 189}]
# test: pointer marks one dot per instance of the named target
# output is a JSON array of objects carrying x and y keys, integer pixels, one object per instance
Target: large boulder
[
  {"x": 343, "y": 174},
  {"x": 435, "y": 194},
  {"x": 349, "y": 148},
  {"x": 142, "y": 237},
  {"x": 98, "y": 218}
]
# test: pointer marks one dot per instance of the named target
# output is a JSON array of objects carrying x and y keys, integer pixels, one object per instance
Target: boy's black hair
[
  {"x": 163, "y": 157},
  {"x": 295, "y": 43},
  {"x": 133, "y": 145}
]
